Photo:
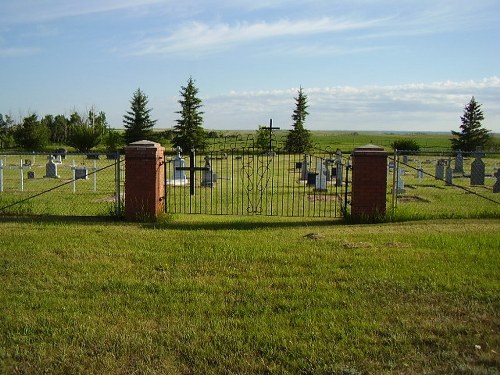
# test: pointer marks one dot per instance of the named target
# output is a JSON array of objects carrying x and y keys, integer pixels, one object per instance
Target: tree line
[{"x": 87, "y": 131}]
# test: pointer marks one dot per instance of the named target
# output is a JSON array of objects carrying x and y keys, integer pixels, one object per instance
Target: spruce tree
[
  {"x": 137, "y": 121},
  {"x": 473, "y": 135},
  {"x": 189, "y": 133},
  {"x": 298, "y": 139}
]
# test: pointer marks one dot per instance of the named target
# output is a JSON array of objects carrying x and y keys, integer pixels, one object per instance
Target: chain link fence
[
  {"x": 444, "y": 184},
  {"x": 65, "y": 184}
]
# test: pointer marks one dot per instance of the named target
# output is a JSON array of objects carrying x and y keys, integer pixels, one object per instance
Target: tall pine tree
[
  {"x": 473, "y": 135},
  {"x": 137, "y": 122},
  {"x": 189, "y": 133},
  {"x": 298, "y": 139}
]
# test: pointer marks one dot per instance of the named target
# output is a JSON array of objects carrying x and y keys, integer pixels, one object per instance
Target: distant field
[{"x": 347, "y": 140}]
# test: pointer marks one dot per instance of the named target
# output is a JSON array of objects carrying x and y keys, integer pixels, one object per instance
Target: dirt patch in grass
[{"x": 412, "y": 199}]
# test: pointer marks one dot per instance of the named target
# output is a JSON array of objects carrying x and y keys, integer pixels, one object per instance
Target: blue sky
[{"x": 365, "y": 65}]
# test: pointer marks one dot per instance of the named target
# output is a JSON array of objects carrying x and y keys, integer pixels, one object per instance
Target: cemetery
[{"x": 263, "y": 279}]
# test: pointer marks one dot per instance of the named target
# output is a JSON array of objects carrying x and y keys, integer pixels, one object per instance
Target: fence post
[
  {"x": 144, "y": 179},
  {"x": 368, "y": 182}
]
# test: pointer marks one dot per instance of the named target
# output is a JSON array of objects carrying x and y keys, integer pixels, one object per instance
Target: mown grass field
[{"x": 204, "y": 295}]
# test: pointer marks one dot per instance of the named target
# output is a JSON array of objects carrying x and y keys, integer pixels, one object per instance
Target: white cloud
[
  {"x": 418, "y": 106},
  {"x": 202, "y": 37},
  {"x": 18, "y": 51}
]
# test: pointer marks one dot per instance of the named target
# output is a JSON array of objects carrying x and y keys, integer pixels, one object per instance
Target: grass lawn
[{"x": 207, "y": 294}]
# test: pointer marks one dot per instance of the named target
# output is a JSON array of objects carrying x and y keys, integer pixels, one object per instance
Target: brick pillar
[
  {"x": 369, "y": 182},
  {"x": 144, "y": 180}
]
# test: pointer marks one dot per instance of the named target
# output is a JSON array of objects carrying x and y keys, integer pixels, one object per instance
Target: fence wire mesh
[
  {"x": 444, "y": 184},
  {"x": 70, "y": 184}
]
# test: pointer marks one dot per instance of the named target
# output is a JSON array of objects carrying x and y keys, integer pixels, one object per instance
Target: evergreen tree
[
  {"x": 189, "y": 133},
  {"x": 138, "y": 124},
  {"x": 473, "y": 135},
  {"x": 298, "y": 139}
]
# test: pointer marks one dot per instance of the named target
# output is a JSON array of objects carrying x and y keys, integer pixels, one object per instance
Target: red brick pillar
[
  {"x": 369, "y": 182},
  {"x": 144, "y": 180}
]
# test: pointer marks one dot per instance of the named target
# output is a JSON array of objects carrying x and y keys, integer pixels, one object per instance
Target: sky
[{"x": 386, "y": 65}]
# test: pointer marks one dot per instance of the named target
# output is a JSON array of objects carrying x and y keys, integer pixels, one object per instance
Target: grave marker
[
  {"x": 477, "y": 170},
  {"x": 496, "y": 186},
  {"x": 51, "y": 168},
  {"x": 209, "y": 177},
  {"x": 459, "y": 163},
  {"x": 439, "y": 175}
]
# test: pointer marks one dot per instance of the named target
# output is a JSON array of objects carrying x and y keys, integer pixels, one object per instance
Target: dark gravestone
[
  {"x": 496, "y": 187},
  {"x": 31, "y": 175},
  {"x": 477, "y": 171}
]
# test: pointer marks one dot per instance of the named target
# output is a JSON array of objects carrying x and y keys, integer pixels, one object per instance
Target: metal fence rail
[{"x": 71, "y": 184}]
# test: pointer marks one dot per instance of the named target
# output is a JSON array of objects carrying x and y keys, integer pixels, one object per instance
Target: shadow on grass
[
  {"x": 58, "y": 219},
  {"x": 241, "y": 223},
  {"x": 181, "y": 222}
]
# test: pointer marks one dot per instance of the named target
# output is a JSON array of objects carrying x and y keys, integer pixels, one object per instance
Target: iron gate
[{"x": 247, "y": 181}]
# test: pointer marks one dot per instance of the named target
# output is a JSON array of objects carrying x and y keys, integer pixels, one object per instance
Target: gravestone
[
  {"x": 459, "y": 163},
  {"x": 179, "y": 174},
  {"x": 496, "y": 186},
  {"x": 477, "y": 171},
  {"x": 31, "y": 175},
  {"x": 339, "y": 168},
  {"x": 449, "y": 174},
  {"x": 420, "y": 170},
  {"x": 304, "y": 171},
  {"x": 209, "y": 178},
  {"x": 440, "y": 168},
  {"x": 400, "y": 186},
  {"x": 81, "y": 173},
  {"x": 51, "y": 168},
  {"x": 320, "y": 181}
]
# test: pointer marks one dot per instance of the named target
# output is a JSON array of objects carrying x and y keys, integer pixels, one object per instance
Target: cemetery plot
[
  {"x": 246, "y": 182},
  {"x": 440, "y": 185},
  {"x": 45, "y": 184}
]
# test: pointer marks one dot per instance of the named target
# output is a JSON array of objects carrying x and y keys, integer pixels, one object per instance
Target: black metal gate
[{"x": 247, "y": 181}]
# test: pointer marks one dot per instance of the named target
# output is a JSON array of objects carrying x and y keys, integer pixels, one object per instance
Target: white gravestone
[
  {"x": 420, "y": 171},
  {"x": 179, "y": 175}
]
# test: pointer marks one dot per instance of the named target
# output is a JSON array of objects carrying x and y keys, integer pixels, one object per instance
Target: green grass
[{"x": 201, "y": 294}]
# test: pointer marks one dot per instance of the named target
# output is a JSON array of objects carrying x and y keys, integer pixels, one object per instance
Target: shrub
[{"x": 405, "y": 145}]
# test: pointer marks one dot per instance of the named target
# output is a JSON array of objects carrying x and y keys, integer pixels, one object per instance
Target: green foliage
[
  {"x": 473, "y": 135},
  {"x": 6, "y": 132},
  {"x": 137, "y": 122},
  {"x": 32, "y": 134},
  {"x": 113, "y": 140},
  {"x": 87, "y": 133},
  {"x": 406, "y": 144},
  {"x": 262, "y": 139},
  {"x": 299, "y": 139},
  {"x": 188, "y": 132}
]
